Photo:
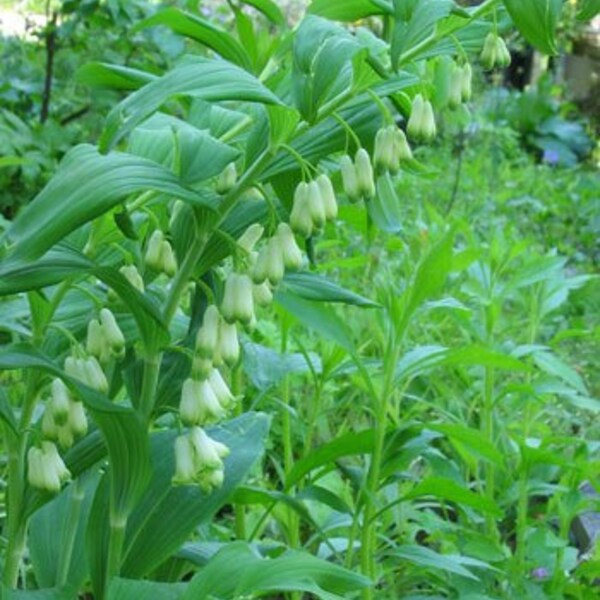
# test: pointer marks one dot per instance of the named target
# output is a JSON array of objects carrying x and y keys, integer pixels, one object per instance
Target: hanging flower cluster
[{"x": 494, "y": 53}]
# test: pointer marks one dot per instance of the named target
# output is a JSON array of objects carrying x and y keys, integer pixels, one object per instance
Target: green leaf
[
  {"x": 349, "y": 10},
  {"x": 431, "y": 273},
  {"x": 194, "y": 154},
  {"x": 551, "y": 364},
  {"x": 127, "y": 589},
  {"x": 56, "y": 265},
  {"x": 475, "y": 443},
  {"x": 349, "y": 444},
  {"x": 47, "y": 594},
  {"x": 201, "y": 31},
  {"x": 416, "y": 23},
  {"x": 269, "y": 9},
  {"x": 588, "y": 9},
  {"x": 238, "y": 571},
  {"x": 266, "y": 368},
  {"x": 425, "y": 557},
  {"x": 385, "y": 209},
  {"x": 167, "y": 515},
  {"x": 310, "y": 286},
  {"x": 48, "y": 535},
  {"x": 322, "y": 319},
  {"x": 537, "y": 21},
  {"x": 449, "y": 491},
  {"x": 117, "y": 77},
  {"x": 86, "y": 185},
  {"x": 210, "y": 80}
]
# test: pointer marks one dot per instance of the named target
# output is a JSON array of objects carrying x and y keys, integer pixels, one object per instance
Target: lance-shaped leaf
[
  {"x": 537, "y": 21},
  {"x": 86, "y": 185},
  {"x": 210, "y": 80},
  {"x": 350, "y": 10},
  {"x": 202, "y": 31},
  {"x": 316, "y": 287},
  {"x": 116, "y": 77},
  {"x": 237, "y": 570}
]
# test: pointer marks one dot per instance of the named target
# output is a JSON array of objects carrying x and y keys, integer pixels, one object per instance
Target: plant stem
[
  {"x": 70, "y": 532},
  {"x": 369, "y": 533},
  {"x": 17, "y": 446},
  {"x": 149, "y": 382},
  {"x": 487, "y": 425},
  {"x": 118, "y": 524},
  {"x": 50, "y": 36},
  {"x": 239, "y": 509},
  {"x": 523, "y": 502}
]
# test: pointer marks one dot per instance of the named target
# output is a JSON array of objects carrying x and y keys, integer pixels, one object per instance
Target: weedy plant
[{"x": 150, "y": 276}]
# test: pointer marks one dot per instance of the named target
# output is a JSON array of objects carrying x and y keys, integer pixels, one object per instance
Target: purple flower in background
[
  {"x": 551, "y": 157},
  {"x": 540, "y": 573}
]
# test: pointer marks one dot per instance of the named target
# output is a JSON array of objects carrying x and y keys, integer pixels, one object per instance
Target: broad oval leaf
[
  {"x": 209, "y": 80},
  {"x": 87, "y": 185}
]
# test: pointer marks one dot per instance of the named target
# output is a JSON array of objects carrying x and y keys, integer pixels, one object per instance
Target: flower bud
[
  {"x": 220, "y": 388},
  {"x": 503, "y": 58},
  {"x": 49, "y": 427},
  {"x": 152, "y": 258},
  {"x": 211, "y": 409},
  {"x": 315, "y": 205},
  {"x": 417, "y": 115},
  {"x": 208, "y": 452},
  {"x": 95, "y": 342},
  {"x": 94, "y": 375},
  {"x": 364, "y": 173},
  {"x": 65, "y": 436},
  {"x": 208, "y": 334},
  {"x": 35, "y": 474},
  {"x": 350, "y": 179},
  {"x": 401, "y": 146},
  {"x": 133, "y": 276},
  {"x": 291, "y": 253},
  {"x": 489, "y": 53},
  {"x": 74, "y": 367},
  {"x": 190, "y": 411},
  {"x": 238, "y": 303},
  {"x": 456, "y": 87},
  {"x": 328, "y": 197},
  {"x": 466, "y": 82},
  {"x": 185, "y": 461},
  {"x": 112, "y": 332},
  {"x": 383, "y": 159},
  {"x": 250, "y": 237},
  {"x": 54, "y": 458},
  {"x": 59, "y": 402},
  {"x": 211, "y": 479},
  {"x": 46, "y": 469},
  {"x": 77, "y": 419},
  {"x": 263, "y": 296},
  {"x": 228, "y": 346},
  {"x": 300, "y": 217},
  {"x": 227, "y": 178},
  {"x": 275, "y": 261},
  {"x": 167, "y": 259},
  {"x": 429, "y": 126}
]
